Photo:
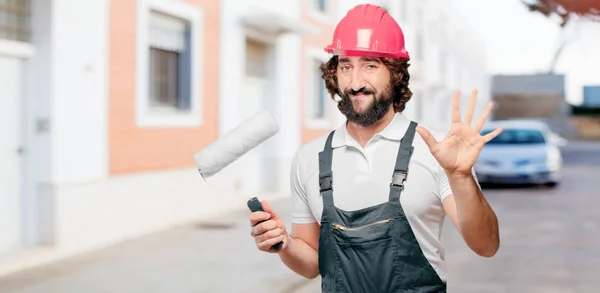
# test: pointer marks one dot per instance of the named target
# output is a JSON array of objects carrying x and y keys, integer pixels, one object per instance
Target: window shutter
[{"x": 167, "y": 32}]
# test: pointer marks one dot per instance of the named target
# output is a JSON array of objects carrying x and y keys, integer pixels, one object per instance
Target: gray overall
[{"x": 372, "y": 250}]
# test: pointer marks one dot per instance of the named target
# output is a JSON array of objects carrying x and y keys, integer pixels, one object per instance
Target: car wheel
[{"x": 552, "y": 184}]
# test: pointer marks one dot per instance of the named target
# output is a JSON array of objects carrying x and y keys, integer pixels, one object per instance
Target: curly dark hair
[{"x": 399, "y": 79}]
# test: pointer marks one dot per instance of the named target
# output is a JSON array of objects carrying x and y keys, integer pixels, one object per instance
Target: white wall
[
  {"x": 79, "y": 90},
  {"x": 232, "y": 54},
  {"x": 39, "y": 140},
  {"x": 286, "y": 9},
  {"x": 11, "y": 97},
  {"x": 285, "y": 78},
  {"x": 67, "y": 107},
  {"x": 454, "y": 58},
  {"x": 65, "y": 99},
  {"x": 109, "y": 211},
  {"x": 231, "y": 64},
  {"x": 289, "y": 83}
]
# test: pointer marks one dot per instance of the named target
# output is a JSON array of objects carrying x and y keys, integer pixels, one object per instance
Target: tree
[{"x": 567, "y": 11}]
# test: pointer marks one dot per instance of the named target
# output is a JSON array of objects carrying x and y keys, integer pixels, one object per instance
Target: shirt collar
[{"x": 393, "y": 131}]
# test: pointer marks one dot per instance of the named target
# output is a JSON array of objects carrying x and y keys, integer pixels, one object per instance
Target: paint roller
[
  {"x": 237, "y": 142},
  {"x": 234, "y": 144}
]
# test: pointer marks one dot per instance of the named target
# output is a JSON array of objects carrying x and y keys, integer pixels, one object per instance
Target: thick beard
[{"x": 376, "y": 110}]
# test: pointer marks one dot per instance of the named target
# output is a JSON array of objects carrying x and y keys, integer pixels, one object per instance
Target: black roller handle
[{"x": 255, "y": 206}]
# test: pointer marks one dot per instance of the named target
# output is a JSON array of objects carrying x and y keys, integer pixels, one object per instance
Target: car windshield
[{"x": 517, "y": 136}]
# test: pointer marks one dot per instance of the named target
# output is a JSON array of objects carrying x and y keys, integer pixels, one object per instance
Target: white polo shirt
[{"x": 361, "y": 178}]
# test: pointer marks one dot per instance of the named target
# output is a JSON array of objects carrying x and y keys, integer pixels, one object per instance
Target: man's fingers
[
  {"x": 256, "y": 217},
  {"x": 471, "y": 107},
  {"x": 264, "y": 227},
  {"x": 267, "y": 244},
  {"x": 456, "y": 107},
  {"x": 269, "y": 234},
  {"x": 493, "y": 134},
  {"x": 427, "y": 137},
  {"x": 484, "y": 116}
]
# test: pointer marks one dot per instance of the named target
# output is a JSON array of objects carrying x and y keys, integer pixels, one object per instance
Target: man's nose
[{"x": 358, "y": 82}]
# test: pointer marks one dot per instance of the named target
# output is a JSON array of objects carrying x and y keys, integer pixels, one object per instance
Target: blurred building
[
  {"x": 104, "y": 103},
  {"x": 538, "y": 97}
]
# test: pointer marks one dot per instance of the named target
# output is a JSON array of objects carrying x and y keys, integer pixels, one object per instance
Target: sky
[{"x": 523, "y": 42}]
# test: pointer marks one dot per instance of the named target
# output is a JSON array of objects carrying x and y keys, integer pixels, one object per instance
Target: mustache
[{"x": 363, "y": 91}]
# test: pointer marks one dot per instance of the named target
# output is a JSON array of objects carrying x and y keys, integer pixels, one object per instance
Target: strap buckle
[
  {"x": 326, "y": 183},
  {"x": 398, "y": 178}
]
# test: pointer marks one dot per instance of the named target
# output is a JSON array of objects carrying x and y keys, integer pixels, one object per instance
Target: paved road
[{"x": 550, "y": 243}]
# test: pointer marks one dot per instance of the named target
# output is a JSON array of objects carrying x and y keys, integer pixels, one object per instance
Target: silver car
[{"x": 526, "y": 152}]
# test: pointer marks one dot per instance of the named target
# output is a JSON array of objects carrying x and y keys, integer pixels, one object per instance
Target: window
[
  {"x": 320, "y": 5},
  {"x": 318, "y": 10},
  {"x": 169, "y": 59},
  {"x": 317, "y": 115},
  {"x": 15, "y": 22},
  {"x": 169, "y": 62},
  {"x": 517, "y": 136},
  {"x": 320, "y": 92}
]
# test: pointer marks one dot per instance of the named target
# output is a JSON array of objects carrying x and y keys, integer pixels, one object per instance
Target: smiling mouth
[{"x": 361, "y": 95}]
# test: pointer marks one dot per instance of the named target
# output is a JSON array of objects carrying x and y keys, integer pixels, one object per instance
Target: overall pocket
[
  {"x": 365, "y": 255},
  {"x": 362, "y": 234}
]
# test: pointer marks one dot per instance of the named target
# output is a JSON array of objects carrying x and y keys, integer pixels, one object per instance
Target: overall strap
[
  {"x": 405, "y": 151},
  {"x": 325, "y": 173}
]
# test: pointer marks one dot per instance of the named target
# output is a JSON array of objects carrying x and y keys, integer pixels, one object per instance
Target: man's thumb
[
  {"x": 427, "y": 137},
  {"x": 268, "y": 209}
]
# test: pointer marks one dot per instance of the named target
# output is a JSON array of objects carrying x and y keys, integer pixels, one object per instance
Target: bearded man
[{"x": 370, "y": 198}]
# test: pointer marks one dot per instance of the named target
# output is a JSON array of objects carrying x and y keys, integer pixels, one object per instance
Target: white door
[
  {"x": 261, "y": 164},
  {"x": 251, "y": 103},
  {"x": 11, "y": 73}
]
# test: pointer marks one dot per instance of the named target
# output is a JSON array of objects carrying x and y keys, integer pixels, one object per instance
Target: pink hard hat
[{"x": 368, "y": 30}]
